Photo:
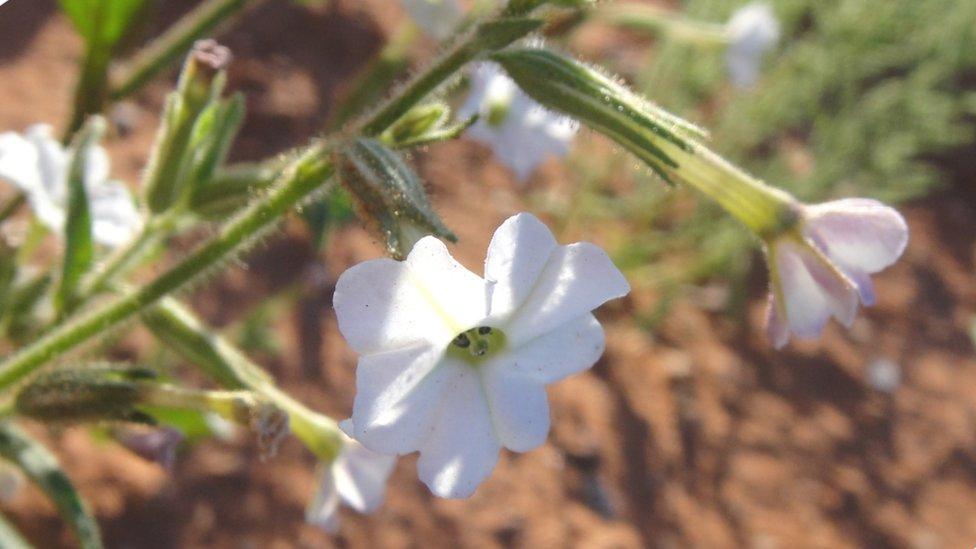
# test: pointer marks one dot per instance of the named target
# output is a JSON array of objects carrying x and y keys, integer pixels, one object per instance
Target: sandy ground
[{"x": 695, "y": 435}]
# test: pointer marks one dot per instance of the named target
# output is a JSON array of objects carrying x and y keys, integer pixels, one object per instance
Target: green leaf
[
  {"x": 79, "y": 252},
  {"x": 43, "y": 469},
  {"x": 102, "y": 22}
]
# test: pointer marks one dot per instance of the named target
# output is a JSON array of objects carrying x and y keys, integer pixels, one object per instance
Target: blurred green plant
[{"x": 860, "y": 98}]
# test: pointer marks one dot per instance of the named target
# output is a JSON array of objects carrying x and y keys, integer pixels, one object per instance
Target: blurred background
[{"x": 691, "y": 430}]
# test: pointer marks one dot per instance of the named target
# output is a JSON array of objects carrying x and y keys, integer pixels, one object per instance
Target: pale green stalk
[{"x": 177, "y": 326}]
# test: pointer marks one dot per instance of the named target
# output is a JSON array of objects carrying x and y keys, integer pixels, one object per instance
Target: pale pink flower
[{"x": 822, "y": 269}]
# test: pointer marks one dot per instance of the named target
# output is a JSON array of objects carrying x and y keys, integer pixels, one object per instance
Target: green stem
[
  {"x": 91, "y": 90},
  {"x": 157, "y": 230},
  {"x": 645, "y": 17},
  {"x": 179, "y": 328},
  {"x": 175, "y": 42},
  {"x": 297, "y": 183},
  {"x": 305, "y": 175}
]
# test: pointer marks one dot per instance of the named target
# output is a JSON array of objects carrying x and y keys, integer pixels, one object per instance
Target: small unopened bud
[
  {"x": 210, "y": 55},
  {"x": 417, "y": 122},
  {"x": 170, "y": 171},
  {"x": 389, "y": 195},
  {"x": 100, "y": 392}
]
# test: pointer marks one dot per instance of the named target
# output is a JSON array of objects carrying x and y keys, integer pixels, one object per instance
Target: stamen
[{"x": 462, "y": 341}]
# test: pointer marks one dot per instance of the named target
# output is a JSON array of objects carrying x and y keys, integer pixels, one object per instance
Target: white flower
[
  {"x": 822, "y": 268},
  {"x": 38, "y": 164},
  {"x": 753, "y": 30},
  {"x": 884, "y": 375},
  {"x": 438, "y": 18},
  {"x": 356, "y": 477},
  {"x": 454, "y": 365},
  {"x": 521, "y": 132}
]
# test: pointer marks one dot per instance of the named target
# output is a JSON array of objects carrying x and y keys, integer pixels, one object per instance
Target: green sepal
[
  {"x": 98, "y": 392},
  {"x": 213, "y": 135},
  {"x": 417, "y": 122},
  {"x": 583, "y": 93},
  {"x": 79, "y": 247},
  {"x": 388, "y": 194}
]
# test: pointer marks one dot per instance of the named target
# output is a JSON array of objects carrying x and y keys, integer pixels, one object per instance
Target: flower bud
[
  {"x": 93, "y": 393},
  {"x": 417, "y": 123},
  {"x": 604, "y": 105},
  {"x": 168, "y": 175},
  {"x": 388, "y": 194}
]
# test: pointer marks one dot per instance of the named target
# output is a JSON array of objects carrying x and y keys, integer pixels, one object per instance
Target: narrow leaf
[
  {"x": 79, "y": 252},
  {"x": 43, "y": 469}
]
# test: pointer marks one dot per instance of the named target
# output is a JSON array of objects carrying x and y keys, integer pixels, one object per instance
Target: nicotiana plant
[{"x": 452, "y": 365}]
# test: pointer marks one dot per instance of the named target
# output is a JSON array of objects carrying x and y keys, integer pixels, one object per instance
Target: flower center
[
  {"x": 497, "y": 113},
  {"x": 477, "y": 344}
]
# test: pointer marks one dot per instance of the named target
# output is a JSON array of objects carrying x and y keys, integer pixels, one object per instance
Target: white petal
[
  {"x": 384, "y": 304},
  {"x": 397, "y": 397},
  {"x": 19, "y": 160},
  {"x": 462, "y": 449},
  {"x": 323, "y": 510},
  {"x": 97, "y": 167},
  {"x": 857, "y": 234},
  {"x": 577, "y": 279},
  {"x": 753, "y": 30},
  {"x": 519, "y": 250},
  {"x": 569, "y": 349},
  {"x": 52, "y": 162},
  {"x": 519, "y": 409},
  {"x": 811, "y": 290},
  {"x": 528, "y": 134},
  {"x": 115, "y": 219},
  {"x": 361, "y": 475}
]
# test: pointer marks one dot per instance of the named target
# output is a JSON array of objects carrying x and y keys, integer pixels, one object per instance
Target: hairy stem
[{"x": 305, "y": 175}]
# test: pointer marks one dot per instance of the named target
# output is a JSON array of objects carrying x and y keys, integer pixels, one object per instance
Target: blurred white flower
[
  {"x": 884, "y": 375},
  {"x": 38, "y": 164},
  {"x": 521, "y": 132},
  {"x": 356, "y": 477},
  {"x": 753, "y": 30},
  {"x": 438, "y": 18},
  {"x": 822, "y": 268},
  {"x": 454, "y": 365}
]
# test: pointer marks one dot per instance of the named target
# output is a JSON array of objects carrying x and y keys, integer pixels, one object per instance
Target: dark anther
[
  {"x": 484, "y": 330},
  {"x": 462, "y": 341}
]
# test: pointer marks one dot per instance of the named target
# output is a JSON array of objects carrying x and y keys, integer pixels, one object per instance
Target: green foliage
[
  {"x": 79, "y": 249},
  {"x": 861, "y": 98},
  {"x": 102, "y": 23}
]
